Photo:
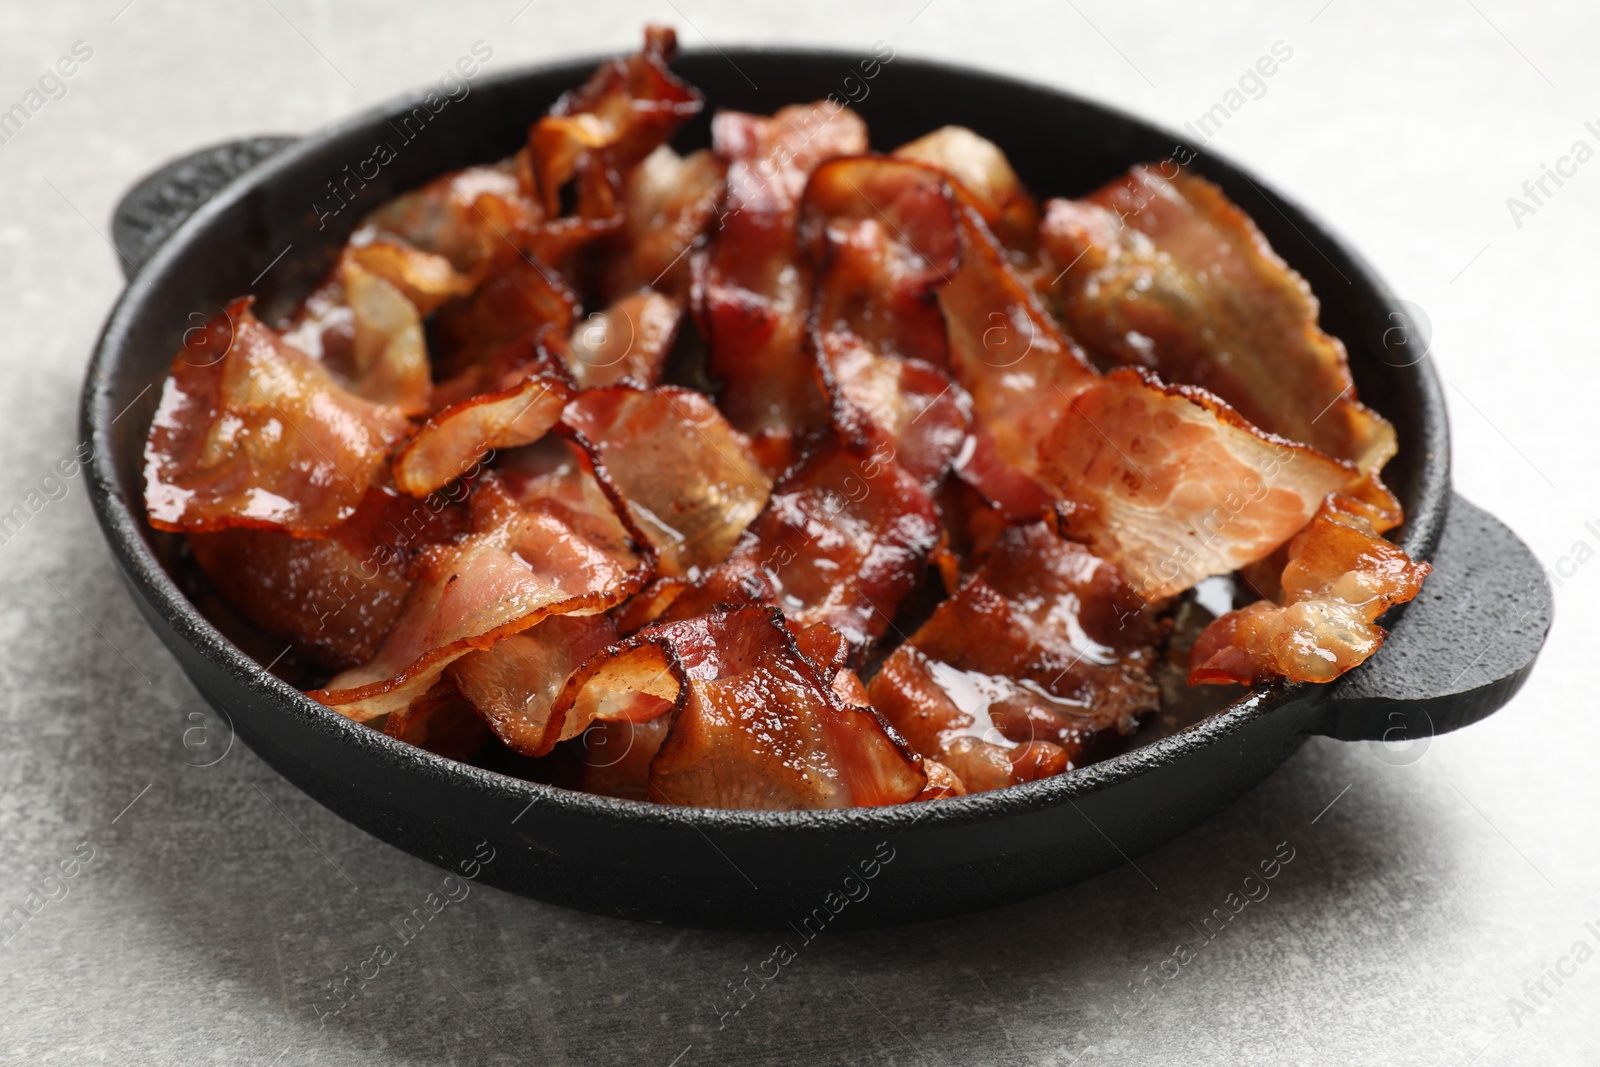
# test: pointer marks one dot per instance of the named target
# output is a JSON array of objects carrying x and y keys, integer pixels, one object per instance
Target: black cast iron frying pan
[{"x": 245, "y": 218}]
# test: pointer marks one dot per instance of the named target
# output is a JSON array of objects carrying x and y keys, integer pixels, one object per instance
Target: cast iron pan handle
[
  {"x": 152, "y": 209},
  {"x": 1463, "y": 647}
]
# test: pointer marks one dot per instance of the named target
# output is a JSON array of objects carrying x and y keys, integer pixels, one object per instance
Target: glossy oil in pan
[{"x": 1455, "y": 654}]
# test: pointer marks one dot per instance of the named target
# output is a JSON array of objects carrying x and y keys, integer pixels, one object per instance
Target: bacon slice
[
  {"x": 519, "y": 297},
  {"x": 984, "y": 173},
  {"x": 689, "y": 478},
  {"x": 843, "y": 540},
  {"x": 1015, "y": 677},
  {"x": 389, "y": 361},
  {"x": 618, "y": 117},
  {"x": 550, "y": 540},
  {"x": 514, "y": 683},
  {"x": 1019, "y": 368},
  {"x": 1166, "y": 273},
  {"x": 452, "y": 216},
  {"x": 364, "y": 321},
  {"x": 751, "y": 287},
  {"x": 630, "y": 339},
  {"x": 902, "y": 408},
  {"x": 252, "y": 432},
  {"x": 753, "y": 723},
  {"x": 881, "y": 235},
  {"x": 1173, "y": 486},
  {"x": 425, "y": 278},
  {"x": 334, "y": 597},
  {"x": 441, "y": 721},
  {"x": 616, "y": 756},
  {"x": 1340, "y": 577},
  {"x": 455, "y": 440},
  {"x": 668, "y": 201}
]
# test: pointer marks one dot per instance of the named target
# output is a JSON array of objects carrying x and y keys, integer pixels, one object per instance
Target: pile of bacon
[{"x": 921, "y": 531}]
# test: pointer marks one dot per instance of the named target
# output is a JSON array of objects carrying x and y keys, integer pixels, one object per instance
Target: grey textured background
[{"x": 218, "y": 903}]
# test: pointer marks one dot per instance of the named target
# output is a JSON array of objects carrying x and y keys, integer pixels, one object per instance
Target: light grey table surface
[{"x": 219, "y": 900}]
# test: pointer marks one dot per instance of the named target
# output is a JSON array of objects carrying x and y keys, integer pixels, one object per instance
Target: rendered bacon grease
[{"x": 783, "y": 474}]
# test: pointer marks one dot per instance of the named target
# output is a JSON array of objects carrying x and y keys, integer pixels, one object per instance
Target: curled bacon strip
[
  {"x": 618, "y": 117},
  {"x": 751, "y": 289},
  {"x": 984, "y": 173},
  {"x": 470, "y": 217},
  {"x": 333, "y": 597},
  {"x": 1173, "y": 486},
  {"x": 514, "y": 684},
  {"x": 1020, "y": 369},
  {"x": 688, "y": 477},
  {"x": 519, "y": 298},
  {"x": 668, "y": 200},
  {"x": 881, "y": 236},
  {"x": 1341, "y": 576},
  {"x": 899, "y": 407},
  {"x": 370, "y": 336},
  {"x": 630, "y": 339},
  {"x": 388, "y": 359},
  {"x": 1040, "y": 651},
  {"x": 753, "y": 722},
  {"x": 842, "y": 542},
  {"x": 253, "y": 432},
  {"x": 548, "y": 541},
  {"x": 427, "y": 279},
  {"x": 1162, "y": 271},
  {"x": 454, "y": 440},
  {"x": 440, "y": 720}
]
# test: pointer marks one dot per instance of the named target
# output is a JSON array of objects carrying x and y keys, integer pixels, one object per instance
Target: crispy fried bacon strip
[
  {"x": 370, "y": 337},
  {"x": 388, "y": 358},
  {"x": 751, "y": 287},
  {"x": 668, "y": 200},
  {"x": 470, "y": 216},
  {"x": 551, "y": 539},
  {"x": 689, "y": 478},
  {"x": 619, "y": 116},
  {"x": 447, "y": 217},
  {"x": 842, "y": 542},
  {"x": 440, "y": 720},
  {"x": 1170, "y": 484},
  {"x": 519, "y": 297},
  {"x": 984, "y": 173},
  {"x": 1173, "y": 486},
  {"x": 900, "y": 407},
  {"x": 1164, "y": 272},
  {"x": 630, "y": 339},
  {"x": 252, "y": 432},
  {"x": 753, "y": 722},
  {"x": 514, "y": 684},
  {"x": 1020, "y": 369},
  {"x": 455, "y": 440},
  {"x": 1042, "y": 650},
  {"x": 1341, "y": 576},
  {"x": 334, "y": 597},
  {"x": 880, "y": 235}
]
